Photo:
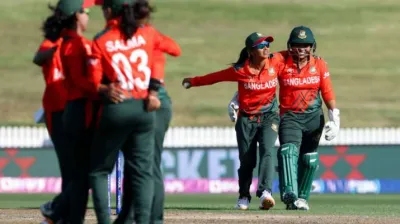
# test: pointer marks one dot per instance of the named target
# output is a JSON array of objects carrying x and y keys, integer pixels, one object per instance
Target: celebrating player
[
  {"x": 54, "y": 99},
  {"x": 121, "y": 67},
  {"x": 258, "y": 120},
  {"x": 163, "y": 119},
  {"x": 74, "y": 50},
  {"x": 303, "y": 80}
]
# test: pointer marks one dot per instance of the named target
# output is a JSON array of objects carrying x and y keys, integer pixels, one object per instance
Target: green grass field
[
  {"x": 195, "y": 207},
  {"x": 357, "y": 38}
]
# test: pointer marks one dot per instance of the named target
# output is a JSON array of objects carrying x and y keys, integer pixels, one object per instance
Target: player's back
[
  {"x": 128, "y": 60},
  {"x": 55, "y": 94}
]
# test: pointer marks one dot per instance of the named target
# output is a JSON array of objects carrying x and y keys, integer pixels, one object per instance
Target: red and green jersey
[
  {"x": 128, "y": 62},
  {"x": 75, "y": 52},
  {"x": 257, "y": 92},
  {"x": 55, "y": 93},
  {"x": 300, "y": 90},
  {"x": 159, "y": 58}
]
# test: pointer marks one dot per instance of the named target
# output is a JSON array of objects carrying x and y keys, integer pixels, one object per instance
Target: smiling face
[
  {"x": 300, "y": 50},
  {"x": 260, "y": 51}
]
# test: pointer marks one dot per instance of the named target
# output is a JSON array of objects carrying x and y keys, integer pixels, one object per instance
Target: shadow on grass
[
  {"x": 218, "y": 209},
  {"x": 196, "y": 208}
]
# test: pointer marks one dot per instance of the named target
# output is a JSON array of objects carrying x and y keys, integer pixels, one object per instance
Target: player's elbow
[
  {"x": 178, "y": 52},
  {"x": 36, "y": 60},
  {"x": 328, "y": 97}
]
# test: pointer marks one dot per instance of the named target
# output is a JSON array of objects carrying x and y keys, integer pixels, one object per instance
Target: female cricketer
[
  {"x": 123, "y": 54},
  {"x": 163, "y": 119},
  {"x": 258, "y": 120},
  {"x": 73, "y": 18},
  {"x": 303, "y": 80},
  {"x": 54, "y": 99}
]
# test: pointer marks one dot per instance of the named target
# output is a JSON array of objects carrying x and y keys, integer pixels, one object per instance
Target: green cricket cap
[
  {"x": 69, "y": 7},
  {"x": 301, "y": 35},
  {"x": 256, "y": 38},
  {"x": 117, "y": 5}
]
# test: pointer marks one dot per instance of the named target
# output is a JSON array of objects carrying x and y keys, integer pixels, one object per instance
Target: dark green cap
[
  {"x": 117, "y": 5},
  {"x": 256, "y": 38},
  {"x": 301, "y": 35},
  {"x": 69, "y": 7}
]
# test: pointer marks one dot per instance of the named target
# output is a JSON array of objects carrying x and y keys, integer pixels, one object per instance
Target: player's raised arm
[
  {"x": 256, "y": 73},
  {"x": 228, "y": 74},
  {"x": 168, "y": 45}
]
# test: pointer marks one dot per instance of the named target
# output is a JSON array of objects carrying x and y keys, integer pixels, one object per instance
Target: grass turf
[
  {"x": 330, "y": 204},
  {"x": 357, "y": 38}
]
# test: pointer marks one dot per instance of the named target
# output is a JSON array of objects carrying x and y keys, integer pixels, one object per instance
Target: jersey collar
[{"x": 247, "y": 66}]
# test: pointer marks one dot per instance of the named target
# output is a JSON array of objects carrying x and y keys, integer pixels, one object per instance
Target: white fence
[{"x": 28, "y": 137}]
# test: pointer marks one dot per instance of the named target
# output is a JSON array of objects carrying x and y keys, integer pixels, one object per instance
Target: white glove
[
  {"x": 333, "y": 125},
  {"x": 233, "y": 107}
]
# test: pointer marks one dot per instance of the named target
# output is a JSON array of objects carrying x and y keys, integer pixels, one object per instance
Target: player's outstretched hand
[{"x": 186, "y": 83}]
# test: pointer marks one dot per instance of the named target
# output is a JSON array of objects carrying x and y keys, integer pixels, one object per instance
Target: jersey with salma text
[
  {"x": 300, "y": 90},
  {"x": 127, "y": 62},
  {"x": 257, "y": 92},
  {"x": 55, "y": 93}
]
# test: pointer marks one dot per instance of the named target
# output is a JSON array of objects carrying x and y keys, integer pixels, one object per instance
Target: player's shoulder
[
  {"x": 148, "y": 30},
  {"x": 319, "y": 60},
  {"x": 147, "y": 27},
  {"x": 238, "y": 66},
  {"x": 278, "y": 56},
  {"x": 85, "y": 40},
  {"x": 75, "y": 46},
  {"x": 102, "y": 34},
  {"x": 48, "y": 43}
]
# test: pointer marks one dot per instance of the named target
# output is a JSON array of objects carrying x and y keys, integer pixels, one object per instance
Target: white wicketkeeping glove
[
  {"x": 233, "y": 107},
  {"x": 333, "y": 125}
]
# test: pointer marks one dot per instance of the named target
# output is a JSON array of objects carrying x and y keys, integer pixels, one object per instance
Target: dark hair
[
  {"x": 243, "y": 56},
  {"x": 130, "y": 14},
  {"x": 55, "y": 23}
]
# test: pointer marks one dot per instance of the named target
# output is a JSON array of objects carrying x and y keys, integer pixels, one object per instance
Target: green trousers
[
  {"x": 78, "y": 127},
  {"x": 250, "y": 130},
  {"x": 304, "y": 132},
  {"x": 163, "y": 119},
  {"x": 55, "y": 127},
  {"x": 126, "y": 126}
]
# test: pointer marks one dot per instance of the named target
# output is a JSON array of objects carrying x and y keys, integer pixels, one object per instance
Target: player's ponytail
[
  {"x": 131, "y": 14},
  {"x": 243, "y": 56},
  {"x": 128, "y": 21},
  {"x": 54, "y": 24}
]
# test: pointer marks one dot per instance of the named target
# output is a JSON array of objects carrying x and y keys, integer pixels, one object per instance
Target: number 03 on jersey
[
  {"x": 128, "y": 62},
  {"x": 130, "y": 76}
]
